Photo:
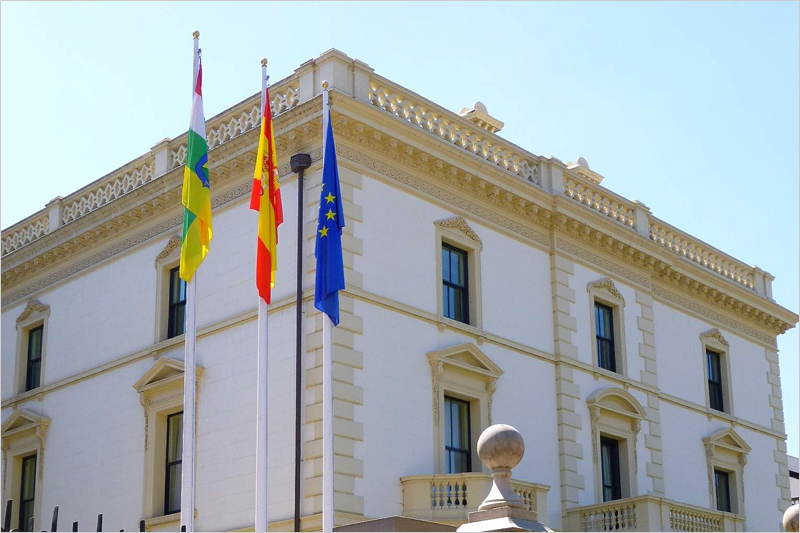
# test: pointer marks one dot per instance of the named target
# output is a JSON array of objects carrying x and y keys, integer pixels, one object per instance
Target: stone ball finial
[
  {"x": 501, "y": 447},
  {"x": 791, "y": 521}
]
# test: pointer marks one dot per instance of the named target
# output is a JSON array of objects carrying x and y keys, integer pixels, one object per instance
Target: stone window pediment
[
  {"x": 23, "y": 435},
  {"x": 727, "y": 451},
  {"x": 729, "y": 440},
  {"x": 165, "y": 373},
  {"x": 460, "y": 224},
  {"x": 617, "y": 401},
  {"x": 22, "y": 421}
]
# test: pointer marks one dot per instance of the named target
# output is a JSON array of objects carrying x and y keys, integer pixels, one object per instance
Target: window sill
[{"x": 164, "y": 522}]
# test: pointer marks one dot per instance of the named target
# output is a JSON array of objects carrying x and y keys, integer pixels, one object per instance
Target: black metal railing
[{"x": 54, "y": 522}]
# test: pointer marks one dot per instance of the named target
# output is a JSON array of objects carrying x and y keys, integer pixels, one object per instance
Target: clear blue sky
[{"x": 691, "y": 108}]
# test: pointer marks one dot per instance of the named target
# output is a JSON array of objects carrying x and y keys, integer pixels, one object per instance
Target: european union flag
[{"x": 330, "y": 268}]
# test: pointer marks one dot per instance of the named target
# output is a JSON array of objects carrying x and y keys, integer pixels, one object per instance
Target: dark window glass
[
  {"x": 27, "y": 493},
  {"x": 457, "y": 436},
  {"x": 172, "y": 490},
  {"x": 723, "y": 491},
  {"x": 455, "y": 291},
  {"x": 612, "y": 488},
  {"x": 33, "y": 369},
  {"x": 604, "y": 328},
  {"x": 714, "y": 381},
  {"x": 177, "y": 304}
]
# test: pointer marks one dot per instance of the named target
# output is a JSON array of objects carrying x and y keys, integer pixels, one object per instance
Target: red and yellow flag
[{"x": 266, "y": 199}]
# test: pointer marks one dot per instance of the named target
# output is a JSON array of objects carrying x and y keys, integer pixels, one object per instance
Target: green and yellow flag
[{"x": 197, "y": 229}]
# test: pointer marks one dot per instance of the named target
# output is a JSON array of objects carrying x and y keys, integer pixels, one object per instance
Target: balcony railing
[
  {"x": 449, "y": 497},
  {"x": 650, "y": 513}
]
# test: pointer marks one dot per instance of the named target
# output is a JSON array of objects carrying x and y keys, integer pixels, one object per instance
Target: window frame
[
  {"x": 168, "y": 464},
  {"x": 605, "y": 293},
  {"x": 28, "y": 374},
  {"x": 23, "y": 435},
  {"x": 165, "y": 262},
  {"x": 616, "y": 414},
  {"x": 173, "y": 306},
  {"x": 22, "y": 500},
  {"x": 616, "y": 474},
  {"x": 34, "y": 316},
  {"x": 463, "y": 298},
  {"x": 599, "y": 306},
  {"x": 716, "y": 395},
  {"x": 456, "y": 233},
  {"x": 718, "y": 472},
  {"x": 449, "y": 449},
  {"x": 726, "y": 451},
  {"x": 464, "y": 373},
  {"x": 713, "y": 340}
]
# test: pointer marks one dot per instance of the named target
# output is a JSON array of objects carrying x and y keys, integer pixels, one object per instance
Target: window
[
  {"x": 27, "y": 493},
  {"x": 604, "y": 333},
  {"x": 722, "y": 488},
  {"x": 34, "y": 364},
  {"x": 606, "y": 306},
  {"x": 716, "y": 367},
  {"x": 457, "y": 436},
  {"x": 726, "y": 456},
  {"x": 172, "y": 482},
  {"x": 714, "y": 381},
  {"x": 464, "y": 383},
  {"x": 616, "y": 417},
  {"x": 455, "y": 288},
  {"x": 29, "y": 370},
  {"x": 24, "y": 434},
  {"x": 177, "y": 304},
  {"x": 458, "y": 272},
  {"x": 609, "y": 453}
]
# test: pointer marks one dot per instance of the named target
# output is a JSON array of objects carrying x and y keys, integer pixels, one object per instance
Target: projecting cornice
[{"x": 397, "y": 136}]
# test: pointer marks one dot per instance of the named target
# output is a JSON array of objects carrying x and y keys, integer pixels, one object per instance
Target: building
[
  {"x": 484, "y": 284},
  {"x": 794, "y": 474}
]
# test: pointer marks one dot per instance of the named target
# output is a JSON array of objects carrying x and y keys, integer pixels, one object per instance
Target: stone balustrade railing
[
  {"x": 427, "y": 116},
  {"x": 449, "y": 497},
  {"x": 701, "y": 253},
  {"x": 26, "y": 232},
  {"x": 650, "y": 513},
  {"x": 220, "y": 129},
  {"x": 601, "y": 200}
]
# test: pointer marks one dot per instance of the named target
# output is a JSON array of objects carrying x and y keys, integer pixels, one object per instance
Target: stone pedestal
[
  {"x": 503, "y": 519},
  {"x": 501, "y": 448}
]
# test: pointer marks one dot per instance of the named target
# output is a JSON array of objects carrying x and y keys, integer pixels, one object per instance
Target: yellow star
[
  {"x": 330, "y": 214},
  {"x": 330, "y": 198},
  {"x": 323, "y": 232}
]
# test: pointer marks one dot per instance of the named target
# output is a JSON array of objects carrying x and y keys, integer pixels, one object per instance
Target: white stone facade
[{"x": 546, "y": 240}]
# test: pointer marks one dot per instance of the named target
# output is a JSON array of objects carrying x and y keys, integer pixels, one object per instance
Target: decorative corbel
[
  {"x": 437, "y": 369},
  {"x": 491, "y": 387},
  {"x": 742, "y": 462},
  {"x": 41, "y": 431},
  {"x": 6, "y": 445},
  {"x": 145, "y": 401},
  {"x": 594, "y": 416},
  {"x": 709, "y": 457},
  {"x": 636, "y": 426}
]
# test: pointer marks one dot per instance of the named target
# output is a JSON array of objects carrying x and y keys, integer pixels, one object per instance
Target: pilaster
[{"x": 567, "y": 391}]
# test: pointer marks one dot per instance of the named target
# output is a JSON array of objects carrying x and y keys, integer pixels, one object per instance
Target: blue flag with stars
[{"x": 328, "y": 251}]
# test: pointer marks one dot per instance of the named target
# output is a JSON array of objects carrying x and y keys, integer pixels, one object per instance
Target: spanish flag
[
  {"x": 197, "y": 229},
  {"x": 266, "y": 199}
]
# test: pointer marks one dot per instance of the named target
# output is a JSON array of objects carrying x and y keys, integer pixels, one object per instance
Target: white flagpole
[
  {"x": 261, "y": 391},
  {"x": 189, "y": 377},
  {"x": 327, "y": 379}
]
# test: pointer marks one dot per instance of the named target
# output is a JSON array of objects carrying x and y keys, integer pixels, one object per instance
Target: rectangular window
[
  {"x": 33, "y": 369},
  {"x": 604, "y": 333},
  {"x": 714, "y": 380},
  {"x": 172, "y": 483},
  {"x": 457, "y": 436},
  {"x": 27, "y": 493},
  {"x": 455, "y": 290},
  {"x": 723, "y": 491},
  {"x": 612, "y": 488},
  {"x": 177, "y": 304}
]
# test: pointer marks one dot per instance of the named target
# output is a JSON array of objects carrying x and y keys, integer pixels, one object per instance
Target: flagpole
[
  {"x": 261, "y": 391},
  {"x": 327, "y": 381},
  {"x": 189, "y": 374}
]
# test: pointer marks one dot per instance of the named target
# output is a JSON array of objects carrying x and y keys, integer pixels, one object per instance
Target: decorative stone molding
[
  {"x": 491, "y": 388},
  {"x": 23, "y": 425},
  {"x": 775, "y": 399},
  {"x": 617, "y": 401},
  {"x": 34, "y": 306},
  {"x": 173, "y": 243},
  {"x": 605, "y": 284},
  {"x": 716, "y": 335},
  {"x": 594, "y": 259},
  {"x": 437, "y": 370},
  {"x": 460, "y": 224}
]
